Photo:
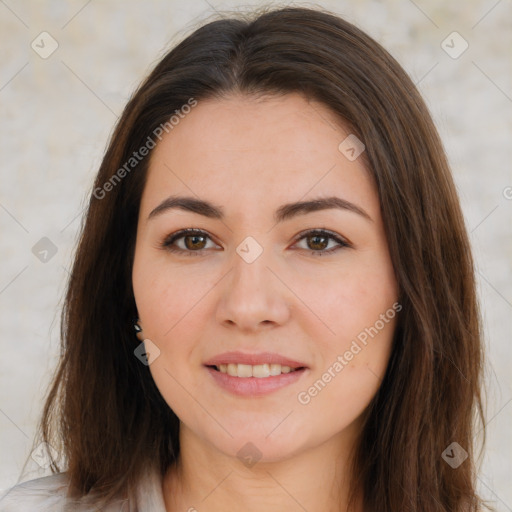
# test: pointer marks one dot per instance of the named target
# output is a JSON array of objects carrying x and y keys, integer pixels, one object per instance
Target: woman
[{"x": 210, "y": 360}]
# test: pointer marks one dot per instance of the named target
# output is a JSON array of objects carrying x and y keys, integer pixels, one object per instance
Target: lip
[
  {"x": 253, "y": 359},
  {"x": 254, "y": 386}
]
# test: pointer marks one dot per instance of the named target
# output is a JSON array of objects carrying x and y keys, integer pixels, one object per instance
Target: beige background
[{"x": 57, "y": 113}]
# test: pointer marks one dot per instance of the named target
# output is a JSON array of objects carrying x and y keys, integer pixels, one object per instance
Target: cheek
[
  {"x": 353, "y": 367},
  {"x": 349, "y": 300},
  {"x": 172, "y": 307},
  {"x": 355, "y": 336},
  {"x": 167, "y": 296}
]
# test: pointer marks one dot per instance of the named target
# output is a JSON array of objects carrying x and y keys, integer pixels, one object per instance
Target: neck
[{"x": 205, "y": 479}]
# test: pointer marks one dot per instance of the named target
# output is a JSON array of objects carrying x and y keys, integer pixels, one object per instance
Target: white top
[{"x": 48, "y": 494}]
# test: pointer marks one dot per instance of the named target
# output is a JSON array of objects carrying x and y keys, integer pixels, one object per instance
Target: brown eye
[
  {"x": 194, "y": 242},
  {"x": 317, "y": 242}
]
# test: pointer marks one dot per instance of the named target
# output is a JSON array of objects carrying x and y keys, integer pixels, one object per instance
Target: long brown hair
[{"x": 104, "y": 412}]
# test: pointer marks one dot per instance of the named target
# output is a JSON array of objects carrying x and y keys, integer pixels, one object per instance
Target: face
[{"x": 257, "y": 285}]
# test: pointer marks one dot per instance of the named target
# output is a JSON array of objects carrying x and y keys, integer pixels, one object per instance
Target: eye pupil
[
  {"x": 195, "y": 238},
  {"x": 322, "y": 244}
]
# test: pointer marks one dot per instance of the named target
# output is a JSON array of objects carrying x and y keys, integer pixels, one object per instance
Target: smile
[
  {"x": 259, "y": 371},
  {"x": 256, "y": 374}
]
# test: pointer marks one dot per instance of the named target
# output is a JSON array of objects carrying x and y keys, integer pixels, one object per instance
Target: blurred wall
[{"x": 67, "y": 70}]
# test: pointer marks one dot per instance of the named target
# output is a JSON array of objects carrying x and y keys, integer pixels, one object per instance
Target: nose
[{"x": 252, "y": 296}]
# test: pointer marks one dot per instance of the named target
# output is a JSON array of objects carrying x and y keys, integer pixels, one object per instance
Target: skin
[{"x": 251, "y": 156}]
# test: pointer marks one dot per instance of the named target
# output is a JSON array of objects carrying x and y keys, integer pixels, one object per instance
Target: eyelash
[{"x": 168, "y": 242}]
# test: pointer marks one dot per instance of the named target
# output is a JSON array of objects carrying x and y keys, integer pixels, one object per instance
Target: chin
[{"x": 258, "y": 446}]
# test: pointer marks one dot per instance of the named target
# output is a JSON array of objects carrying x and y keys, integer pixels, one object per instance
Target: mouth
[
  {"x": 260, "y": 371},
  {"x": 254, "y": 375}
]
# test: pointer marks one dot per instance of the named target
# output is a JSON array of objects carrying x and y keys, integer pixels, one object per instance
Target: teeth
[
  {"x": 244, "y": 370},
  {"x": 275, "y": 369},
  {"x": 259, "y": 370}
]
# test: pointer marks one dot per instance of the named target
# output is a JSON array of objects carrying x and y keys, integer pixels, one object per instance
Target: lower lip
[{"x": 254, "y": 386}]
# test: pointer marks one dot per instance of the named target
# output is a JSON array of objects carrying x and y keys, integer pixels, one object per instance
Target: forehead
[{"x": 256, "y": 150}]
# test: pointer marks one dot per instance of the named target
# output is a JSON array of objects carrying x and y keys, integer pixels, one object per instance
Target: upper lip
[{"x": 253, "y": 359}]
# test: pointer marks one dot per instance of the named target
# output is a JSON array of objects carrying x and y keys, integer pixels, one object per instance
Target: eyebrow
[{"x": 284, "y": 212}]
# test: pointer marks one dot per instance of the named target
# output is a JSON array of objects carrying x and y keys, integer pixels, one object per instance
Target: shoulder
[{"x": 47, "y": 493}]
